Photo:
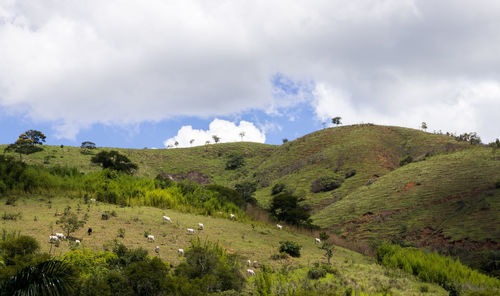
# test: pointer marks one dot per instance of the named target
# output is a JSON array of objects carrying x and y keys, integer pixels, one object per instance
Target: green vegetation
[
  {"x": 434, "y": 268},
  {"x": 326, "y": 183},
  {"x": 291, "y": 248},
  {"x": 285, "y": 207},
  {"x": 235, "y": 160},
  {"x": 113, "y": 160}
]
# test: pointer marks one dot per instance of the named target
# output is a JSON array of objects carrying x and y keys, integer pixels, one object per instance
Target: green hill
[{"x": 446, "y": 198}]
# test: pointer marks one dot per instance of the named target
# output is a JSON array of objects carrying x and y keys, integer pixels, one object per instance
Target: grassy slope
[
  {"x": 452, "y": 194},
  {"x": 455, "y": 170},
  {"x": 256, "y": 244}
]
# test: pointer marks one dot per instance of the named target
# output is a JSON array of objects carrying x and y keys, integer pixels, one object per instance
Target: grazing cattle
[
  {"x": 255, "y": 264},
  {"x": 317, "y": 240},
  {"x": 60, "y": 235},
  {"x": 200, "y": 226},
  {"x": 53, "y": 238},
  {"x": 249, "y": 263},
  {"x": 77, "y": 241},
  {"x": 250, "y": 272},
  {"x": 232, "y": 216},
  {"x": 190, "y": 230},
  {"x": 279, "y": 226},
  {"x": 180, "y": 252},
  {"x": 165, "y": 218},
  {"x": 157, "y": 249},
  {"x": 89, "y": 231},
  {"x": 151, "y": 238}
]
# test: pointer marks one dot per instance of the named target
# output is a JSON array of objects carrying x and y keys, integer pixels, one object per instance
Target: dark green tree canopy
[
  {"x": 235, "y": 160},
  {"x": 114, "y": 161},
  {"x": 286, "y": 207},
  {"x": 337, "y": 120},
  {"x": 27, "y": 143}
]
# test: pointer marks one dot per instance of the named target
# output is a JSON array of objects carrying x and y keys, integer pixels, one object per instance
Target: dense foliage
[
  {"x": 291, "y": 248},
  {"x": 235, "y": 160},
  {"x": 119, "y": 188},
  {"x": 326, "y": 183},
  {"x": 113, "y": 160},
  {"x": 432, "y": 267},
  {"x": 286, "y": 207}
]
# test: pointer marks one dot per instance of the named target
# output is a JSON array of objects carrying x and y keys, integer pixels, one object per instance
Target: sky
[{"x": 151, "y": 73}]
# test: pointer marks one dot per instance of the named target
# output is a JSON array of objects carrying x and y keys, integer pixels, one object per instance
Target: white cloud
[
  {"x": 227, "y": 132},
  {"x": 464, "y": 106},
  {"x": 77, "y": 63}
]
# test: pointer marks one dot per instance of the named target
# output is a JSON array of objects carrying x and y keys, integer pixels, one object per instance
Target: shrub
[
  {"x": 115, "y": 161},
  {"x": 326, "y": 183},
  {"x": 235, "y": 160},
  {"x": 285, "y": 207},
  {"x": 278, "y": 188},
  {"x": 291, "y": 248},
  {"x": 11, "y": 216},
  {"x": 350, "y": 174},
  {"x": 316, "y": 272},
  {"x": 279, "y": 256},
  {"x": 406, "y": 160}
]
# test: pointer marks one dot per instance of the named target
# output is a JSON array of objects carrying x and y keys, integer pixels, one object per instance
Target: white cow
[
  {"x": 200, "y": 226},
  {"x": 60, "y": 235},
  {"x": 92, "y": 200},
  {"x": 279, "y": 226},
  {"x": 77, "y": 241},
  {"x": 180, "y": 252},
  {"x": 317, "y": 240},
  {"x": 190, "y": 230},
  {"x": 165, "y": 218},
  {"x": 232, "y": 216},
  {"x": 151, "y": 238},
  {"x": 250, "y": 272},
  {"x": 249, "y": 263},
  {"x": 53, "y": 238}
]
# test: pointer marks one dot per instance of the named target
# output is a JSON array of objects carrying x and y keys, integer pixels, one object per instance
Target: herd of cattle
[{"x": 180, "y": 252}]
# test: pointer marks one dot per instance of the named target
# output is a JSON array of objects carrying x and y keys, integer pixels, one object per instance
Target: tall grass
[
  {"x": 112, "y": 187},
  {"x": 434, "y": 268}
]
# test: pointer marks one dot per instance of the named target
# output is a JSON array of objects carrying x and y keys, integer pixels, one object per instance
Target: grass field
[{"x": 258, "y": 243}]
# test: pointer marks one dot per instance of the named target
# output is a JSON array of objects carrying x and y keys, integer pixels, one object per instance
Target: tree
[
  {"x": 114, "y": 161},
  {"x": 242, "y": 134},
  {"x": 235, "y": 160},
  {"x": 70, "y": 223},
  {"x": 87, "y": 147},
  {"x": 285, "y": 140},
  {"x": 337, "y": 120},
  {"x": 424, "y": 126},
  {"x": 285, "y": 207},
  {"x": 328, "y": 248},
  {"x": 176, "y": 143},
  {"x": 27, "y": 143},
  {"x": 216, "y": 139},
  {"x": 247, "y": 190},
  {"x": 191, "y": 142}
]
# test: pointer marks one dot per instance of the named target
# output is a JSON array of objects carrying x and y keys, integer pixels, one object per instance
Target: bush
[
  {"x": 350, "y": 174},
  {"x": 285, "y": 207},
  {"x": 235, "y": 160},
  {"x": 279, "y": 256},
  {"x": 316, "y": 272},
  {"x": 291, "y": 248},
  {"x": 326, "y": 183},
  {"x": 278, "y": 188},
  {"x": 115, "y": 161},
  {"x": 406, "y": 160}
]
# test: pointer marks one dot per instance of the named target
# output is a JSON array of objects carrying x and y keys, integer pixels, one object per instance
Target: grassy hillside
[
  {"x": 445, "y": 199},
  {"x": 256, "y": 242}
]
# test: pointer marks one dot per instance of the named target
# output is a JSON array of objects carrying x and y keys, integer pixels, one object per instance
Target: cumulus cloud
[
  {"x": 77, "y": 63},
  {"x": 227, "y": 132}
]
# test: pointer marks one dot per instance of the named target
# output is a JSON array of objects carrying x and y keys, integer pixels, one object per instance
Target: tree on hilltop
[
  {"x": 337, "y": 120},
  {"x": 87, "y": 147},
  {"x": 114, "y": 161},
  {"x": 27, "y": 143},
  {"x": 216, "y": 139}
]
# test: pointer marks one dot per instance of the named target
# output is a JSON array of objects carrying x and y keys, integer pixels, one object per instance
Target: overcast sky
[{"x": 151, "y": 72}]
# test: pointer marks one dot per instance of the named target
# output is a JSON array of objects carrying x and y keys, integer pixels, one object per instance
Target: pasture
[{"x": 251, "y": 240}]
